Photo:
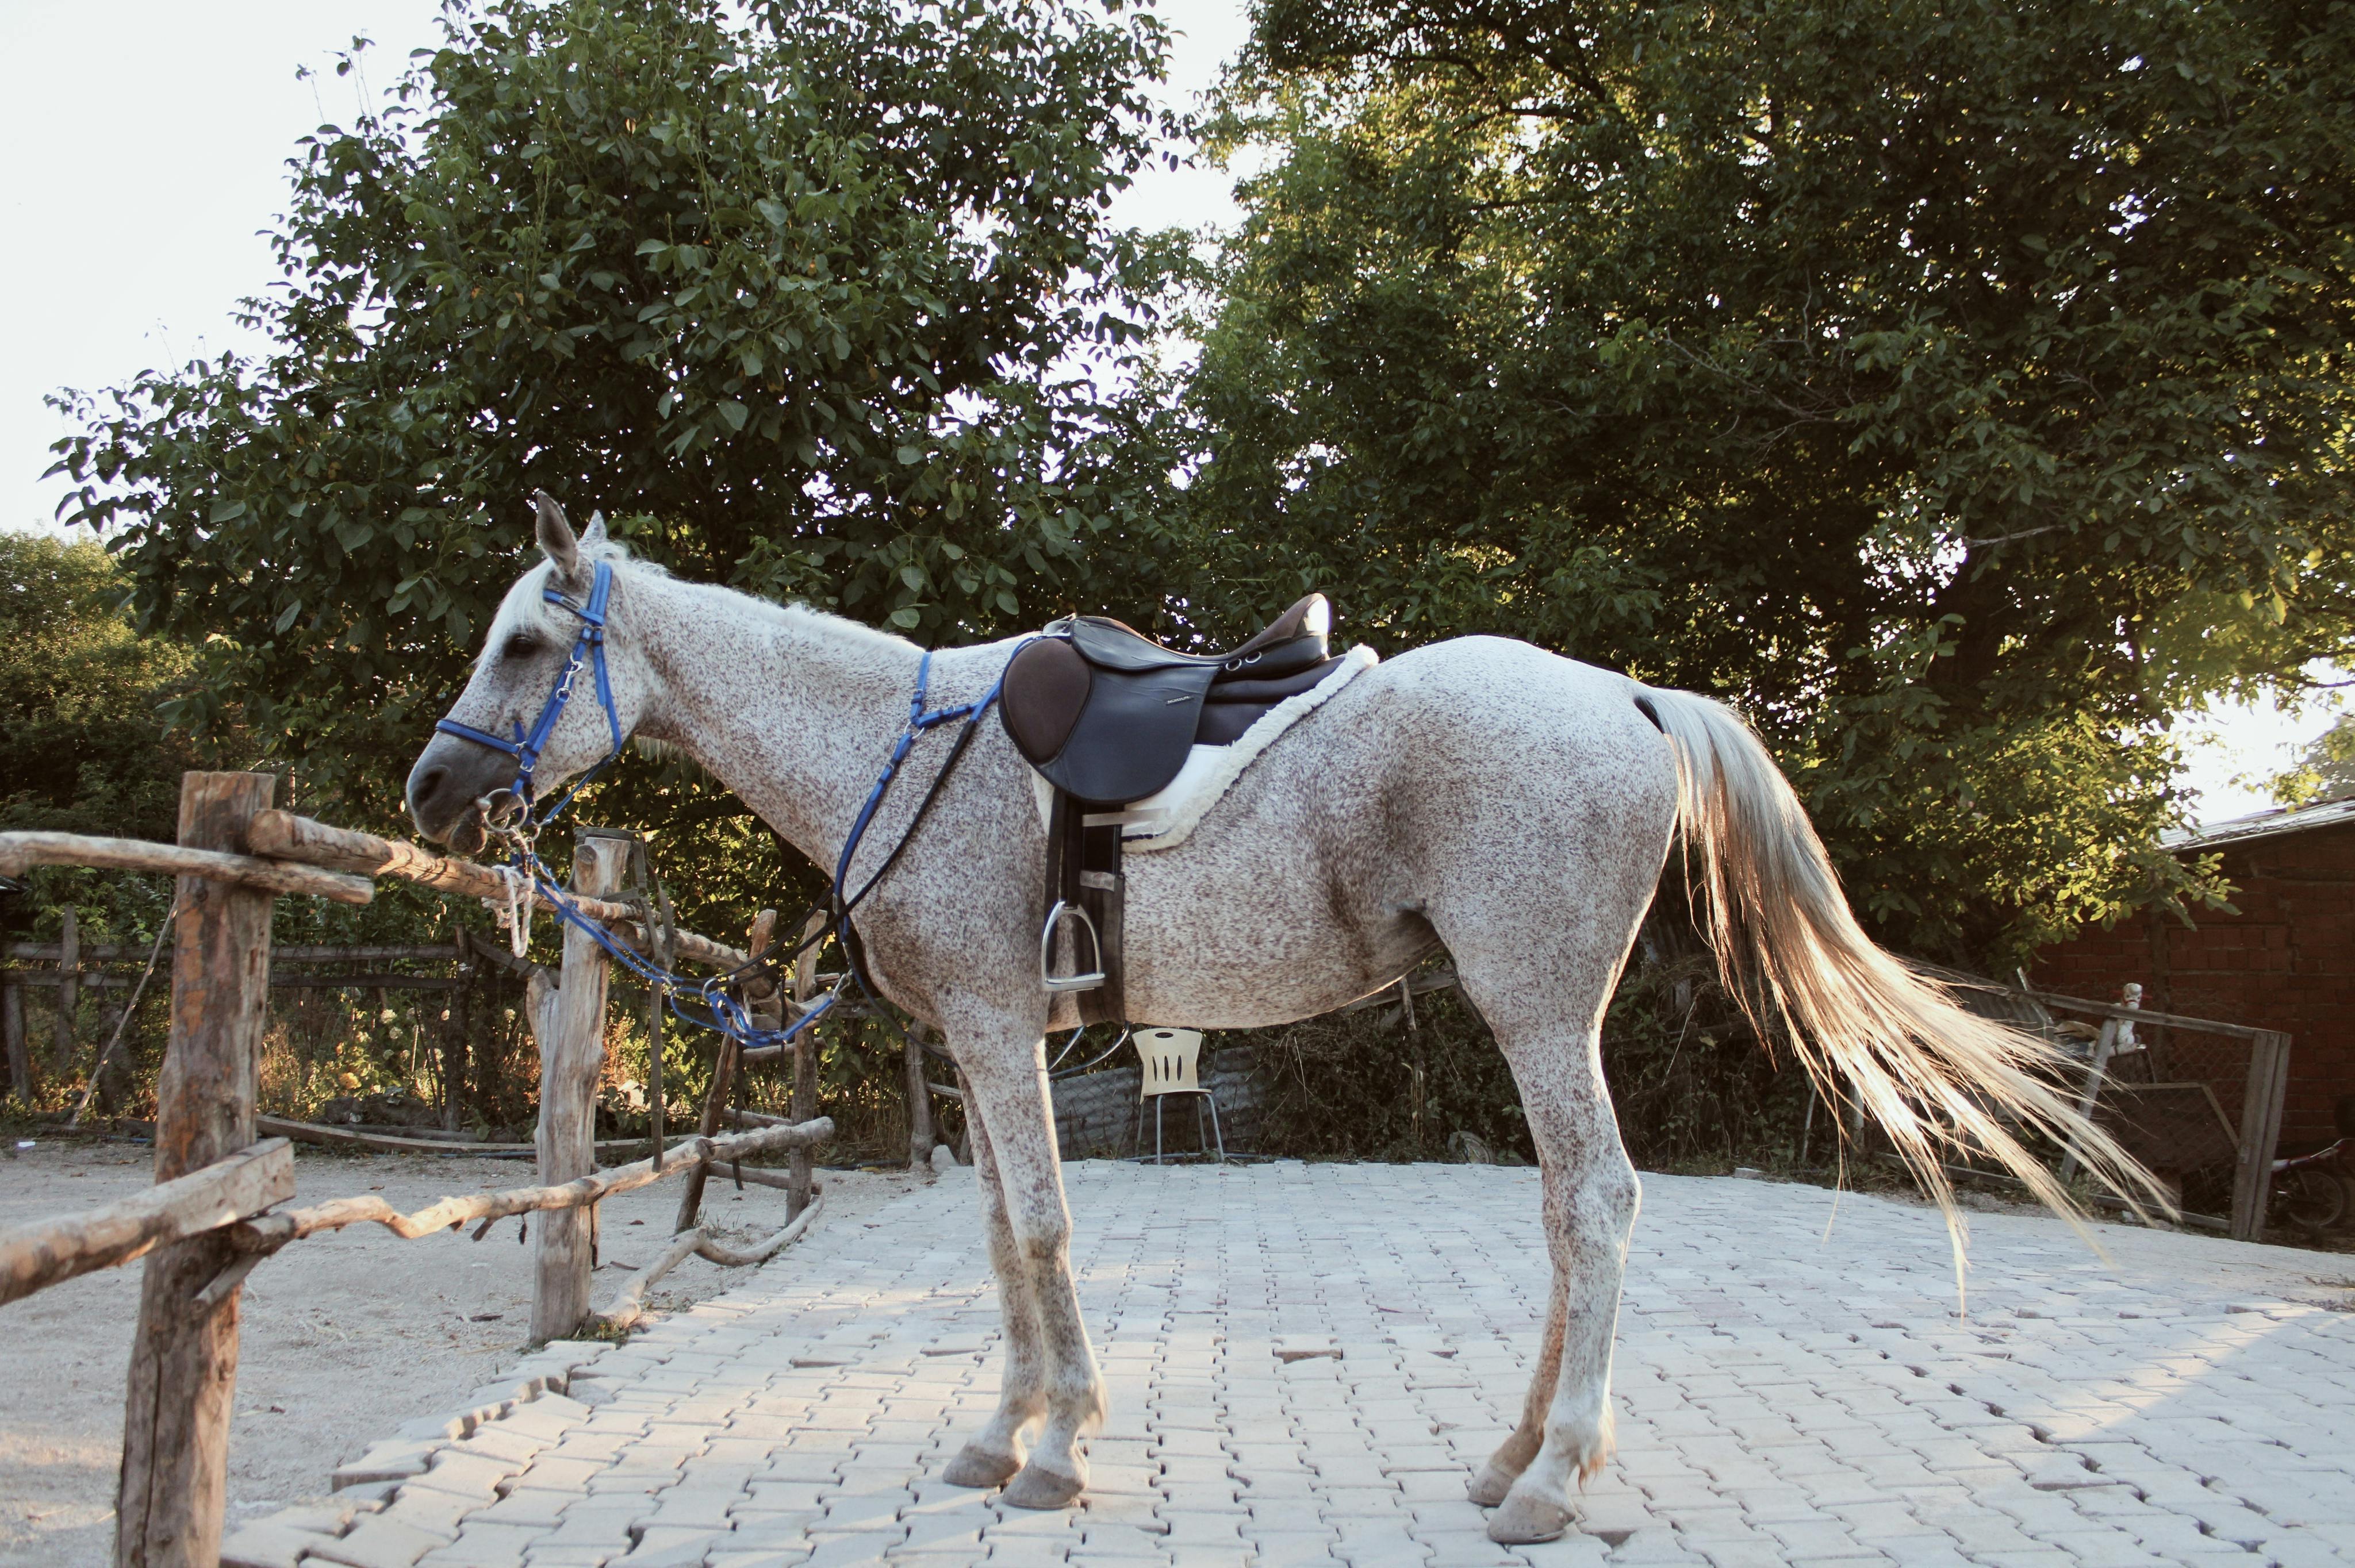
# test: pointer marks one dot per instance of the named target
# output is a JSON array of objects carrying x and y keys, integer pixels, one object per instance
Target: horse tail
[{"x": 1864, "y": 1023}]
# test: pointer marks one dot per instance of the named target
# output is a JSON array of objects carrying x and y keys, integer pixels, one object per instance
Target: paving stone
[
  {"x": 379, "y": 1541},
  {"x": 268, "y": 1544},
  {"x": 1784, "y": 1394}
]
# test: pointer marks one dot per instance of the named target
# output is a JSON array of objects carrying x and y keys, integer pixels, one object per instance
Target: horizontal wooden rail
[
  {"x": 752, "y": 1118},
  {"x": 273, "y": 1230},
  {"x": 247, "y": 1182},
  {"x": 365, "y": 981},
  {"x": 51, "y": 980},
  {"x": 18, "y": 851},
  {"x": 287, "y": 837},
  {"x": 346, "y": 1137},
  {"x": 280, "y": 953}
]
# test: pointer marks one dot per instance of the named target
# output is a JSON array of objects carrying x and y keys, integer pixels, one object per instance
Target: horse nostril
[{"x": 426, "y": 785}]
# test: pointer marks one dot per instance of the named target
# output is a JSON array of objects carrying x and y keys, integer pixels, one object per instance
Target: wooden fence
[
  {"x": 218, "y": 1206},
  {"x": 2171, "y": 1118}
]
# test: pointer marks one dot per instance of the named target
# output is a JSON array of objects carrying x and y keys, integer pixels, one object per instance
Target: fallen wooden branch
[
  {"x": 36, "y": 1257},
  {"x": 18, "y": 851},
  {"x": 727, "y": 1257},
  {"x": 273, "y": 1230},
  {"x": 629, "y": 1302},
  {"x": 287, "y": 837},
  {"x": 122, "y": 1018}
]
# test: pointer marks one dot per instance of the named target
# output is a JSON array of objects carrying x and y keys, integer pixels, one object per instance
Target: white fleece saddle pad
[{"x": 1163, "y": 820}]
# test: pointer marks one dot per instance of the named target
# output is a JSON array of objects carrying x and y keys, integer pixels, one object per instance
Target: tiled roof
[{"x": 2274, "y": 822}]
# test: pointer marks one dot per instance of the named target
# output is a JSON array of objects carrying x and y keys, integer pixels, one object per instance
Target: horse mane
[{"x": 523, "y": 599}]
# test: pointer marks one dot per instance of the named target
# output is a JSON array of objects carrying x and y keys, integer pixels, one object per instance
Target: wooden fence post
[
  {"x": 183, "y": 1377},
  {"x": 798, "y": 1170},
  {"x": 919, "y": 1100},
  {"x": 571, "y": 1053},
  {"x": 12, "y": 1028},
  {"x": 70, "y": 985},
  {"x": 2261, "y": 1115},
  {"x": 453, "y": 1039}
]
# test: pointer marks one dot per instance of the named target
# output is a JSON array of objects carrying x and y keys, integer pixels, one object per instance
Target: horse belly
[
  {"x": 1283, "y": 903},
  {"x": 1318, "y": 879}
]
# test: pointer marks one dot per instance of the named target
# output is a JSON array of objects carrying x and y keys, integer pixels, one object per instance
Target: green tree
[
  {"x": 2325, "y": 771},
  {"x": 1960, "y": 389},
  {"x": 83, "y": 747},
  {"x": 815, "y": 296}
]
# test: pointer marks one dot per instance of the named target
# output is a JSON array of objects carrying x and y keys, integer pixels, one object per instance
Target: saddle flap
[
  {"x": 1046, "y": 690},
  {"x": 1133, "y": 734}
]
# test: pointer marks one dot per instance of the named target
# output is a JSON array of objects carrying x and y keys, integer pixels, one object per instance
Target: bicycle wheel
[{"x": 2311, "y": 1201}]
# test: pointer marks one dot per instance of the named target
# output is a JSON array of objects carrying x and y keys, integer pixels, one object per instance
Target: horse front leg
[
  {"x": 1054, "y": 1365},
  {"x": 996, "y": 1453}
]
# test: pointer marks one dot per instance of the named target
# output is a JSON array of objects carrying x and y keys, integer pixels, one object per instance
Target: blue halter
[{"x": 589, "y": 646}]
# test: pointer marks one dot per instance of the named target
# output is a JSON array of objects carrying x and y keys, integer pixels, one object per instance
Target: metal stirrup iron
[{"x": 1076, "y": 980}]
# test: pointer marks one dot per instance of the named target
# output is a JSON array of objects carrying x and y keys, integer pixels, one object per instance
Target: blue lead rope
[{"x": 725, "y": 1015}]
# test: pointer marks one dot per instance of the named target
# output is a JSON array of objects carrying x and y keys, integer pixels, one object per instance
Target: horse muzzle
[{"x": 447, "y": 786}]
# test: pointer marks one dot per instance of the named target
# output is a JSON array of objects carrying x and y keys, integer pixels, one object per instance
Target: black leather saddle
[{"x": 1107, "y": 715}]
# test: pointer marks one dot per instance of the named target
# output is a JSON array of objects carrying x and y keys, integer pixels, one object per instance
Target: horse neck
[{"x": 794, "y": 710}]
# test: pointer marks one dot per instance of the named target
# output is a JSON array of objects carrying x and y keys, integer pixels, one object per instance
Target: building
[{"x": 2283, "y": 957}]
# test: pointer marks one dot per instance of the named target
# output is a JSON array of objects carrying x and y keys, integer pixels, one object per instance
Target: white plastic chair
[{"x": 1171, "y": 1060}]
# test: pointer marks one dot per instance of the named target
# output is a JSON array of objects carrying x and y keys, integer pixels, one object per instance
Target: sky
[{"x": 149, "y": 142}]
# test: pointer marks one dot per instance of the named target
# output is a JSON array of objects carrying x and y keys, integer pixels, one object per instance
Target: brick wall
[
  {"x": 1096, "y": 1114},
  {"x": 2286, "y": 961}
]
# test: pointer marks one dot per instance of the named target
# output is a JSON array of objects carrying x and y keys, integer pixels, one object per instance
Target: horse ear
[
  {"x": 556, "y": 540},
  {"x": 595, "y": 533}
]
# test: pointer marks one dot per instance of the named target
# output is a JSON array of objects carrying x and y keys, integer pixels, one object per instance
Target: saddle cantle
[{"x": 1107, "y": 716}]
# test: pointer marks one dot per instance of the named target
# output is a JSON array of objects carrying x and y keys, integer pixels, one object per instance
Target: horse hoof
[
  {"x": 1525, "y": 1518},
  {"x": 1490, "y": 1485},
  {"x": 1036, "y": 1487},
  {"x": 978, "y": 1467}
]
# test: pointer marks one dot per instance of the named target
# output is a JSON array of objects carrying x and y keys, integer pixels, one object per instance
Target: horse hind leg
[
  {"x": 996, "y": 1453},
  {"x": 1513, "y": 1455},
  {"x": 1590, "y": 1196}
]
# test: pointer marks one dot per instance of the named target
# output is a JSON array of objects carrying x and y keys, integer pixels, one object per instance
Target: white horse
[{"x": 1479, "y": 795}]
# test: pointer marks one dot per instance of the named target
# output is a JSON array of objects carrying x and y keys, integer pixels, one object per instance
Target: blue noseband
[{"x": 589, "y": 647}]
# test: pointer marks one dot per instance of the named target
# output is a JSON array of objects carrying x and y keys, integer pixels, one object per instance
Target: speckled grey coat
[{"x": 1479, "y": 795}]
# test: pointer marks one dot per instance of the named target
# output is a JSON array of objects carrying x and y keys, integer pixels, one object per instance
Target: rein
[{"x": 723, "y": 1013}]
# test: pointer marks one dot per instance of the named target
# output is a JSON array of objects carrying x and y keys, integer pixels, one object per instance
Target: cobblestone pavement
[{"x": 1307, "y": 1361}]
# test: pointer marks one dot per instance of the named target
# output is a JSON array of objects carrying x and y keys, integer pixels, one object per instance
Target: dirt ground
[{"x": 346, "y": 1335}]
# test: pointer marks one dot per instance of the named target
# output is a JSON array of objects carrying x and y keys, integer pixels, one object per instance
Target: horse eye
[{"x": 522, "y": 645}]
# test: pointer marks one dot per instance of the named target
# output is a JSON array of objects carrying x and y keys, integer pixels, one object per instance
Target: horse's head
[{"x": 546, "y": 701}]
